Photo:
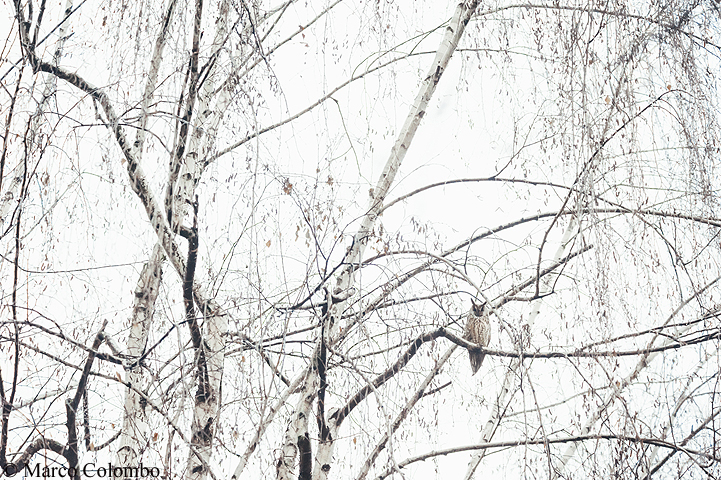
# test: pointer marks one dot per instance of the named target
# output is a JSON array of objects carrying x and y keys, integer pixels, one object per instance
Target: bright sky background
[{"x": 497, "y": 109}]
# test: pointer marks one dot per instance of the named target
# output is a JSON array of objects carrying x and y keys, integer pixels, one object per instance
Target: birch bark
[{"x": 134, "y": 436}]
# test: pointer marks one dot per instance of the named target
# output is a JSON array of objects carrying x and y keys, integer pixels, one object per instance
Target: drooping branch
[
  {"x": 603, "y": 12},
  {"x": 398, "y": 421},
  {"x": 579, "y": 177},
  {"x": 648, "y": 355},
  {"x": 674, "y": 447},
  {"x": 501, "y": 402}
]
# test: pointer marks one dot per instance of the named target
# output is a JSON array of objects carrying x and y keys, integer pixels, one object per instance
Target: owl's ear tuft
[{"x": 478, "y": 308}]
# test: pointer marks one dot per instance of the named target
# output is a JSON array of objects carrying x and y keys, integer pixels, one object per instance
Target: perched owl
[{"x": 478, "y": 330}]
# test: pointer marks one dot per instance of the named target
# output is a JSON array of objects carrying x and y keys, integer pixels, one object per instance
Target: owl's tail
[{"x": 476, "y": 360}]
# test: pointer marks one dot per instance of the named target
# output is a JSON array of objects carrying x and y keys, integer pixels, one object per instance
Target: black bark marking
[{"x": 306, "y": 457}]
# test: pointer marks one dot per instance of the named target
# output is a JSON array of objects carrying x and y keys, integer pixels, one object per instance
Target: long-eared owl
[{"x": 478, "y": 330}]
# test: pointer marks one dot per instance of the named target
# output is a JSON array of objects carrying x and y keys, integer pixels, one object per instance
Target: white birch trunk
[
  {"x": 152, "y": 82},
  {"x": 12, "y": 194},
  {"x": 206, "y": 409},
  {"x": 453, "y": 33},
  {"x": 134, "y": 436},
  {"x": 297, "y": 427}
]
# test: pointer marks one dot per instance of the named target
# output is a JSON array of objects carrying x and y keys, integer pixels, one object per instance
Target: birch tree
[{"x": 241, "y": 239}]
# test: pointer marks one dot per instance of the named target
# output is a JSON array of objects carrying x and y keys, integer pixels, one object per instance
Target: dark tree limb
[
  {"x": 305, "y": 454},
  {"x": 340, "y": 415},
  {"x": 321, "y": 365},
  {"x": 196, "y": 334},
  {"x": 71, "y": 405}
]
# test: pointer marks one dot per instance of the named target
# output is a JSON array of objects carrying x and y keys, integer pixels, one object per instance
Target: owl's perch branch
[
  {"x": 340, "y": 415},
  {"x": 442, "y": 332}
]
